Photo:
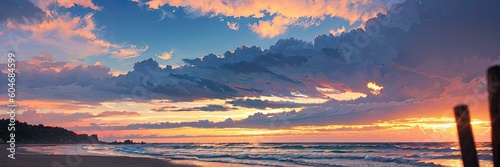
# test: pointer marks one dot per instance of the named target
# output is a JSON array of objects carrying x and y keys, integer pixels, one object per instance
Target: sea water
[{"x": 288, "y": 154}]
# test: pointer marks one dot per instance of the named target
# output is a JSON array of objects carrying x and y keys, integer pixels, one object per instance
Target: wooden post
[
  {"x": 467, "y": 145},
  {"x": 494, "y": 99}
]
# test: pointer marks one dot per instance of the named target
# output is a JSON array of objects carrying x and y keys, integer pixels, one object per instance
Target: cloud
[
  {"x": 375, "y": 89},
  {"x": 140, "y": 4},
  {"x": 166, "y": 55},
  {"x": 19, "y": 10},
  {"x": 84, "y": 3},
  {"x": 337, "y": 31},
  {"x": 282, "y": 120},
  {"x": 117, "y": 113},
  {"x": 57, "y": 34},
  {"x": 35, "y": 117},
  {"x": 118, "y": 72},
  {"x": 129, "y": 52},
  {"x": 339, "y": 95},
  {"x": 208, "y": 108},
  {"x": 47, "y": 6},
  {"x": 418, "y": 52},
  {"x": 335, "y": 116},
  {"x": 263, "y": 104},
  {"x": 233, "y": 26},
  {"x": 257, "y": 9},
  {"x": 43, "y": 77},
  {"x": 346, "y": 64},
  {"x": 164, "y": 108},
  {"x": 283, "y": 16},
  {"x": 270, "y": 29},
  {"x": 67, "y": 37}
]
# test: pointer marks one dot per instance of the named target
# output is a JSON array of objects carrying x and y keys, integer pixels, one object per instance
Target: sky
[{"x": 251, "y": 70}]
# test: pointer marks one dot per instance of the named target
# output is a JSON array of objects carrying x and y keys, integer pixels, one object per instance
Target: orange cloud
[
  {"x": 130, "y": 52},
  {"x": 337, "y": 31},
  {"x": 166, "y": 55},
  {"x": 284, "y": 14},
  {"x": 375, "y": 89},
  {"x": 273, "y": 28},
  {"x": 341, "y": 96},
  {"x": 118, "y": 72}
]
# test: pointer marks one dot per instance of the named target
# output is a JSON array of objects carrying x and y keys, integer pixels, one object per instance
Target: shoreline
[
  {"x": 25, "y": 158},
  {"x": 32, "y": 159}
]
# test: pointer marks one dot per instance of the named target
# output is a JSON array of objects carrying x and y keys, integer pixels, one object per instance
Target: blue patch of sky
[{"x": 190, "y": 35}]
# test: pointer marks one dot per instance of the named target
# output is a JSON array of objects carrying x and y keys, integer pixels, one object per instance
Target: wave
[
  {"x": 399, "y": 160},
  {"x": 261, "y": 163},
  {"x": 299, "y": 159},
  {"x": 487, "y": 157},
  {"x": 336, "y": 146},
  {"x": 366, "y": 147},
  {"x": 299, "y": 153},
  {"x": 427, "y": 149}
]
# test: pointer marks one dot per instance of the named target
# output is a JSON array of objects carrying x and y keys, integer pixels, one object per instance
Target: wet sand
[{"x": 27, "y": 159}]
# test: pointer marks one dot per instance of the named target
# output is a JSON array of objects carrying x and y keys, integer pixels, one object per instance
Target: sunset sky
[{"x": 252, "y": 70}]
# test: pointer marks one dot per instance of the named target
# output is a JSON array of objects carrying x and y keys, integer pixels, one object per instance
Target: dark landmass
[
  {"x": 40, "y": 134},
  {"x": 126, "y": 142}
]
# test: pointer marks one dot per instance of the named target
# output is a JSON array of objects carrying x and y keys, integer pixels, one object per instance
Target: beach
[{"x": 29, "y": 159}]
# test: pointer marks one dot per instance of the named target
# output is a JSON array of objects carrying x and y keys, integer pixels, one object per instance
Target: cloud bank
[
  {"x": 401, "y": 53},
  {"x": 418, "y": 51}
]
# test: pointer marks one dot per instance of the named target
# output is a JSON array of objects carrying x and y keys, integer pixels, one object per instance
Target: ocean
[{"x": 288, "y": 154}]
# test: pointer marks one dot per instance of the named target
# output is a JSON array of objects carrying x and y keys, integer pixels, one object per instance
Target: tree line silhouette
[{"x": 40, "y": 134}]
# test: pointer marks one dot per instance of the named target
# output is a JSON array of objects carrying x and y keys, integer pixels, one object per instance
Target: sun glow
[
  {"x": 375, "y": 89},
  {"x": 411, "y": 129}
]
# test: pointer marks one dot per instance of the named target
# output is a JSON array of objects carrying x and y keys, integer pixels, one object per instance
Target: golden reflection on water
[{"x": 457, "y": 162}]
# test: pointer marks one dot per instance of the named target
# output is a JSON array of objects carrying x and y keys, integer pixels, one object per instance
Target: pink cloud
[
  {"x": 65, "y": 36},
  {"x": 44, "y": 5}
]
